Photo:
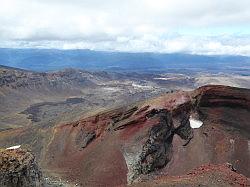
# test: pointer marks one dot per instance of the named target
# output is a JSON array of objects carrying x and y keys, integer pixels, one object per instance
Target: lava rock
[{"x": 18, "y": 168}]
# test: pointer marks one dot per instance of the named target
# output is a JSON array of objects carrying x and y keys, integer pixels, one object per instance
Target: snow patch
[
  {"x": 164, "y": 78},
  {"x": 111, "y": 89},
  {"x": 169, "y": 78},
  {"x": 14, "y": 147},
  {"x": 194, "y": 123},
  {"x": 141, "y": 86}
]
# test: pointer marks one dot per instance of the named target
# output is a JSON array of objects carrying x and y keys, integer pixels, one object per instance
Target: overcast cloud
[{"x": 193, "y": 26}]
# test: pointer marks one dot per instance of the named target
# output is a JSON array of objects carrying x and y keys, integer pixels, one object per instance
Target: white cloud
[{"x": 131, "y": 25}]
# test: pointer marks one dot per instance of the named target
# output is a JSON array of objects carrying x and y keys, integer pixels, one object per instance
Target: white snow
[
  {"x": 171, "y": 78},
  {"x": 194, "y": 123},
  {"x": 111, "y": 89},
  {"x": 164, "y": 78},
  {"x": 14, "y": 147},
  {"x": 141, "y": 86}
]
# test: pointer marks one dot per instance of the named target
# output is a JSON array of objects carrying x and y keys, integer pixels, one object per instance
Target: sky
[{"x": 165, "y": 26}]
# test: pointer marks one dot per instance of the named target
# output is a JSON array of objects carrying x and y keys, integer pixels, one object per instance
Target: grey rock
[{"x": 18, "y": 168}]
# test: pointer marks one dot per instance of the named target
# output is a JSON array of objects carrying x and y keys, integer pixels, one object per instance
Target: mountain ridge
[{"x": 55, "y": 59}]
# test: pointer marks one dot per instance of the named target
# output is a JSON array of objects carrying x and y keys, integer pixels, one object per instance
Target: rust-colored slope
[
  {"x": 208, "y": 175},
  {"x": 123, "y": 145}
]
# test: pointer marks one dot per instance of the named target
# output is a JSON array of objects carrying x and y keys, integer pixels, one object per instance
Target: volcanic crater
[{"x": 143, "y": 141}]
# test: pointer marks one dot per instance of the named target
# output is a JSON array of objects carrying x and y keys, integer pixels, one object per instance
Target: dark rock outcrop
[
  {"x": 84, "y": 138},
  {"x": 18, "y": 168},
  {"x": 184, "y": 129},
  {"x": 156, "y": 151}
]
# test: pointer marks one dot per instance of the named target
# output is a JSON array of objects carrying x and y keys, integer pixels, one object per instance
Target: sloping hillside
[
  {"x": 155, "y": 138},
  {"x": 110, "y": 145}
]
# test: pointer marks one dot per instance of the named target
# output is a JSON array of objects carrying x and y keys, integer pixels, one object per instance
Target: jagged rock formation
[
  {"x": 84, "y": 138},
  {"x": 157, "y": 151},
  {"x": 18, "y": 168}
]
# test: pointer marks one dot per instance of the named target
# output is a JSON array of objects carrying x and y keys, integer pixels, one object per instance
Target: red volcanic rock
[{"x": 153, "y": 138}]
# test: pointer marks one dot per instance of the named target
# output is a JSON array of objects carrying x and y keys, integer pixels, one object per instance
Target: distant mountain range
[{"x": 54, "y": 59}]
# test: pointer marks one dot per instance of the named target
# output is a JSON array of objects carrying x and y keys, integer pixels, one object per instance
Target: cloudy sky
[{"x": 191, "y": 26}]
